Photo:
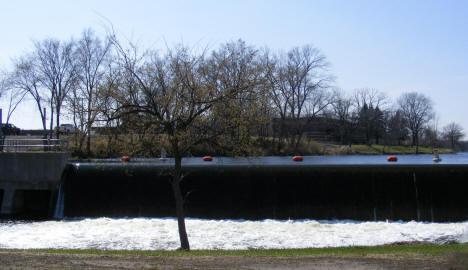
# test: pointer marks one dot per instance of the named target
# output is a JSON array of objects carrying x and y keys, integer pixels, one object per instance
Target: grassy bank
[
  {"x": 107, "y": 147},
  {"x": 402, "y": 257},
  {"x": 375, "y": 149},
  {"x": 421, "y": 249}
]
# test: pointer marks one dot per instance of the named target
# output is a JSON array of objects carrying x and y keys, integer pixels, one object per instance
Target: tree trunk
[
  {"x": 88, "y": 137},
  {"x": 282, "y": 135},
  {"x": 89, "y": 124},
  {"x": 51, "y": 123},
  {"x": 44, "y": 126},
  {"x": 297, "y": 143},
  {"x": 58, "y": 122},
  {"x": 88, "y": 144},
  {"x": 417, "y": 143},
  {"x": 179, "y": 200},
  {"x": 80, "y": 143}
]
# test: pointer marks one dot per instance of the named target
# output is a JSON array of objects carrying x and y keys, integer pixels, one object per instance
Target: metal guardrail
[{"x": 33, "y": 145}]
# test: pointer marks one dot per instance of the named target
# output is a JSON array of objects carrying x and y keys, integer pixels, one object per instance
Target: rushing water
[{"x": 161, "y": 233}]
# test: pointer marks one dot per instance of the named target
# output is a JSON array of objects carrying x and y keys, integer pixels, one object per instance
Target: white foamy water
[{"x": 161, "y": 233}]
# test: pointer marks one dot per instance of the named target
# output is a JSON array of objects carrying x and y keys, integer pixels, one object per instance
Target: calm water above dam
[{"x": 458, "y": 158}]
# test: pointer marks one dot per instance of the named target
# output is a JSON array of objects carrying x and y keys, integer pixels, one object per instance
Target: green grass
[
  {"x": 422, "y": 249},
  {"x": 265, "y": 146},
  {"x": 395, "y": 149}
]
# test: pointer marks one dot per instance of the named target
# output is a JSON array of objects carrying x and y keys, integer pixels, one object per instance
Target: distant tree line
[
  {"x": 232, "y": 100},
  {"x": 368, "y": 116}
]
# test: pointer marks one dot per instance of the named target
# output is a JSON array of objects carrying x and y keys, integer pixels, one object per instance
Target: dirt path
[{"x": 30, "y": 260}]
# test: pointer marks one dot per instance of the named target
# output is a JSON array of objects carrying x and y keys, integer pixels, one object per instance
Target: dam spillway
[{"x": 367, "y": 188}]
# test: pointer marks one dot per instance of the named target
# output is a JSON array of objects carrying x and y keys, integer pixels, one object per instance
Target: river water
[
  {"x": 422, "y": 159},
  {"x": 161, "y": 233}
]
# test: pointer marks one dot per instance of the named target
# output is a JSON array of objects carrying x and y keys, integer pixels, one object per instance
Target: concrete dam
[{"x": 322, "y": 187}]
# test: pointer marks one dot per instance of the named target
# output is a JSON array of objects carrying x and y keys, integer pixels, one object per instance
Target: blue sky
[{"x": 393, "y": 46}]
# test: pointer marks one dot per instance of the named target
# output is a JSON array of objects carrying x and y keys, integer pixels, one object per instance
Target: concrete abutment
[{"x": 29, "y": 181}]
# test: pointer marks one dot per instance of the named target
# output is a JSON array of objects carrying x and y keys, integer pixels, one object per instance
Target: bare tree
[
  {"x": 370, "y": 105},
  {"x": 345, "y": 116},
  {"x": 25, "y": 78},
  {"x": 370, "y": 97},
  {"x": 453, "y": 132},
  {"x": 57, "y": 72},
  {"x": 396, "y": 127},
  {"x": 108, "y": 105},
  {"x": 417, "y": 111},
  {"x": 175, "y": 94},
  {"x": 298, "y": 89},
  {"x": 14, "y": 97},
  {"x": 239, "y": 68},
  {"x": 3, "y": 82},
  {"x": 91, "y": 56}
]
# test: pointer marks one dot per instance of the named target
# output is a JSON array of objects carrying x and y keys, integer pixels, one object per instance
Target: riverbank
[
  {"x": 103, "y": 147},
  {"x": 375, "y": 149},
  {"x": 406, "y": 256}
]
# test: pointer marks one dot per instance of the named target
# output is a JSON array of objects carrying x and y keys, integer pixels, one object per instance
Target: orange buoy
[
  {"x": 125, "y": 158},
  {"x": 297, "y": 158},
  {"x": 207, "y": 158},
  {"x": 392, "y": 159}
]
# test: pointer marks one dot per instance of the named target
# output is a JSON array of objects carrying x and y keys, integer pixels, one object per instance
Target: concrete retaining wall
[{"x": 20, "y": 172}]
